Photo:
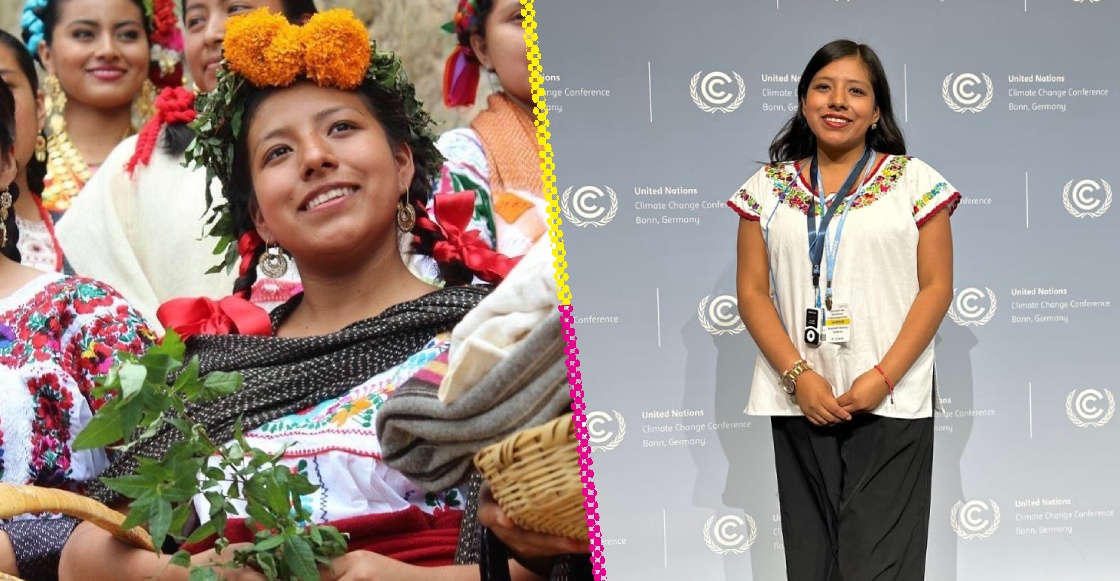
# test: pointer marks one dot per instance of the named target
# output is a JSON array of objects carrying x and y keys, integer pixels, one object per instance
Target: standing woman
[
  {"x": 845, "y": 320},
  {"x": 142, "y": 226},
  {"x": 498, "y": 156},
  {"x": 97, "y": 57},
  {"x": 38, "y": 246}
]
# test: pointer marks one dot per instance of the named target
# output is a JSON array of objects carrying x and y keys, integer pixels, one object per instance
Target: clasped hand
[{"x": 814, "y": 396}]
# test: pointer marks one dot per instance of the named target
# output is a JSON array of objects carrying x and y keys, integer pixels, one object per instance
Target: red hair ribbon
[
  {"x": 173, "y": 105},
  {"x": 453, "y": 213},
  {"x": 204, "y": 316},
  {"x": 246, "y": 247},
  {"x": 460, "y": 78}
]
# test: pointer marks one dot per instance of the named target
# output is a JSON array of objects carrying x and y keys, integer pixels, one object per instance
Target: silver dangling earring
[
  {"x": 274, "y": 262},
  {"x": 406, "y": 214},
  {"x": 874, "y": 126}
]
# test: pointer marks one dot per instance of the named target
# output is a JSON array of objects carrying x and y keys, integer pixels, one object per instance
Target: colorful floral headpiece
[
  {"x": 461, "y": 72},
  {"x": 263, "y": 50},
  {"x": 167, "y": 43},
  {"x": 166, "y": 69}
]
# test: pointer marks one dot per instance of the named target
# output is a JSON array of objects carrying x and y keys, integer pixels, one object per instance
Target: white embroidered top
[{"x": 875, "y": 275}]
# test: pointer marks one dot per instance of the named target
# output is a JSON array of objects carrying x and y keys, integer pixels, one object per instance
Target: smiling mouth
[
  {"x": 332, "y": 194},
  {"x": 836, "y": 120}
]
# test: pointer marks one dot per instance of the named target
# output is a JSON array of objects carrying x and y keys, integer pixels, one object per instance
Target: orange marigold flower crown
[{"x": 262, "y": 50}]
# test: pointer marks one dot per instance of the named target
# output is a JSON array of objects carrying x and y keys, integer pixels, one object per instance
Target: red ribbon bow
[
  {"x": 453, "y": 211},
  {"x": 204, "y": 316}
]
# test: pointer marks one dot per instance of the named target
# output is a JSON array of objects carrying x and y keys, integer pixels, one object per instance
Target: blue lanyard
[{"x": 818, "y": 232}]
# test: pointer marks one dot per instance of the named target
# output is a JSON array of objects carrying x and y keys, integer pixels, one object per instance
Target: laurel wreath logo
[
  {"x": 724, "y": 546},
  {"x": 1084, "y": 418},
  {"x": 576, "y": 219},
  {"x": 969, "y": 316},
  {"x": 730, "y": 326},
  {"x": 595, "y": 433},
  {"x": 704, "y": 106},
  {"x": 947, "y": 94},
  {"x": 1078, "y": 206},
  {"x": 971, "y": 530}
]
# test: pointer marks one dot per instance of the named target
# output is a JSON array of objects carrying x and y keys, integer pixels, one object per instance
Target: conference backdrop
[{"x": 658, "y": 112}]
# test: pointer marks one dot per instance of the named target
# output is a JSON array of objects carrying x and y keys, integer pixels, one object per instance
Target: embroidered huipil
[
  {"x": 335, "y": 445},
  {"x": 876, "y": 275},
  {"x": 57, "y": 334}
]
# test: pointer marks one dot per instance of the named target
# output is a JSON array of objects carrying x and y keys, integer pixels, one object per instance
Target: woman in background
[
  {"x": 57, "y": 334},
  {"x": 498, "y": 155},
  {"x": 38, "y": 246},
  {"x": 97, "y": 55},
  {"x": 142, "y": 227}
]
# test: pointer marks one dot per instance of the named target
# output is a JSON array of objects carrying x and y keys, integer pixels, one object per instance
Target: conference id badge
[{"x": 838, "y": 325}]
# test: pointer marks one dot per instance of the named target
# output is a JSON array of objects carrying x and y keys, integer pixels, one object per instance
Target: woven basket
[
  {"x": 17, "y": 500},
  {"x": 534, "y": 476}
]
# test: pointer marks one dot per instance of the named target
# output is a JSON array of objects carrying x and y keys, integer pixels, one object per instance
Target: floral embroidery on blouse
[
  {"x": 928, "y": 197},
  {"x": 70, "y": 331},
  {"x": 786, "y": 186}
]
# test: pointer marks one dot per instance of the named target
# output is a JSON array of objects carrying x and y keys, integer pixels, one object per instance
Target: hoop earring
[
  {"x": 40, "y": 148},
  {"x": 274, "y": 262},
  {"x": 406, "y": 214},
  {"x": 5, "y": 204}
]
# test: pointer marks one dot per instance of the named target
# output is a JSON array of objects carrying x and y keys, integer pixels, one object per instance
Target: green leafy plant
[{"x": 148, "y": 392}]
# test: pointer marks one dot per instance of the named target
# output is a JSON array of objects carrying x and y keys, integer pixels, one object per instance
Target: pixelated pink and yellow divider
[{"x": 536, "y": 79}]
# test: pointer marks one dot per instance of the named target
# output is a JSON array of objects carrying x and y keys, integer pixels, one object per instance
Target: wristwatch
[{"x": 789, "y": 378}]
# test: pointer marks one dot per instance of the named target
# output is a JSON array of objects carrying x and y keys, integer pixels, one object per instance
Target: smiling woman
[
  {"x": 97, "y": 56},
  {"x": 846, "y": 365},
  {"x": 140, "y": 223},
  {"x": 332, "y": 160}
]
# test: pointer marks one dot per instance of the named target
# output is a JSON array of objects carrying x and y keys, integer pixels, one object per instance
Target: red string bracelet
[{"x": 890, "y": 385}]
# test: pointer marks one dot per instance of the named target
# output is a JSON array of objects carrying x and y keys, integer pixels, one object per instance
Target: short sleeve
[
  {"x": 465, "y": 169},
  {"x": 930, "y": 192},
  {"x": 747, "y": 202}
]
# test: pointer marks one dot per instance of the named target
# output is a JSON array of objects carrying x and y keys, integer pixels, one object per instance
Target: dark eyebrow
[{"x": 316, "y": 117}]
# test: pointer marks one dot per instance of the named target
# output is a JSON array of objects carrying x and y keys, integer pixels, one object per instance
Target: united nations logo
[
  {"x": 974, "y": 519},
  {"x": 605, "y": 432},
  {"x": 968, "y": 308},
  {"x": 720, "y": 316},
  {"x": 725, "y": 535},
  {"x": 584, "y": 207},
  {"x": 1085, "y": 410},
  {"x": 710, "y": 96},
  {"x": 1087, "y": 198},
  {"x": 961, "y": 95}
]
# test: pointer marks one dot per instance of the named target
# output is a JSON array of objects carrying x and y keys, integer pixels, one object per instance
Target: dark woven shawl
[{"x": 283, "y": 376}]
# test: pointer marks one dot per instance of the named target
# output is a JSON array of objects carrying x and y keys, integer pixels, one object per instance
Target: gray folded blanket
[{"x": 433, "y": 443}]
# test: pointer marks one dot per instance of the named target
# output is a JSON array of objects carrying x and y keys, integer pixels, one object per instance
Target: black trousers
[{"x": 855, "y": 497}]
